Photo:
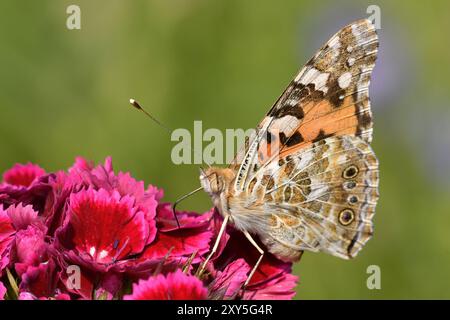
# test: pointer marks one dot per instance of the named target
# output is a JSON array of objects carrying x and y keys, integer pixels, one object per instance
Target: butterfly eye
[
  {"x": 350, "y": 172},
  {"x": 346, "y": 217},
  {"x": 218, "y": 182}
]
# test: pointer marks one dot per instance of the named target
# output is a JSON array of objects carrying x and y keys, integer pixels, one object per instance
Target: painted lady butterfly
[{"x": 318, "y": 193}]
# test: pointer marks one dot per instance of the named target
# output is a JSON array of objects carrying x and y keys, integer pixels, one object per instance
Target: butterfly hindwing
[{"x": 321, "y": 198}]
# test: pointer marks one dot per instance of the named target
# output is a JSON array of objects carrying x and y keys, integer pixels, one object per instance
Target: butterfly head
[{"x": 216, "y": 180}]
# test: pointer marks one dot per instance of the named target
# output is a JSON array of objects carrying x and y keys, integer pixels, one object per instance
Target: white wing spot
[
  {"x": 308, "y": 76},
  {"x": 344, "y": 80},
  {"x": 350, "y": 61},
  {"x": 317, "y": 78}
]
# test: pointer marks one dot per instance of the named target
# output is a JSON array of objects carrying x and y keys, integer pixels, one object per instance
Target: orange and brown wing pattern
[
  {"x": 328, "y": 97},
  {"x": 332, "y": 91}
]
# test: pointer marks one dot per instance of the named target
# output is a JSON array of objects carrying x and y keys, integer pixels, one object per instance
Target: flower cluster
[{"x": 91, "y": 233}]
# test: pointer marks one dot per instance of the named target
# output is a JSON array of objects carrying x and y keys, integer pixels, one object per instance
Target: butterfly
[{"x": 308, "y": 179}]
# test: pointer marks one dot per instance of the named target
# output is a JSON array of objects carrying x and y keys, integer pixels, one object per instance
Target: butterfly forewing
[{"x": 328, "y": 97}]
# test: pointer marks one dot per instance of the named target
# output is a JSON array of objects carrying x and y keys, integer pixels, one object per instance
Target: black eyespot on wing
[
  {"x": 350, "y": 172},
  {"x": 353, "y": 199},
  {"x": 346, "y": 217}
]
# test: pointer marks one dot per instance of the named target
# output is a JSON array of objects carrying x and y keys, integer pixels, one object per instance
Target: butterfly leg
[
  {"x": 216, "y": 245},
  {"x": 261, "y": 252}
]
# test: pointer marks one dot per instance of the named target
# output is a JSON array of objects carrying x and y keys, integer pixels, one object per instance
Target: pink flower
[
  {"x": 102, "y": 228},
  {"x": 174, "y": 286},
  {"x": 23, "y": 175},
  {"x": 116, "y": 231}
]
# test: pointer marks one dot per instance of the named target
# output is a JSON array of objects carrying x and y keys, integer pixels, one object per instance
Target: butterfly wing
[
  {"x": 328, "y": 97},
  {"x": 320, "y": 198}
]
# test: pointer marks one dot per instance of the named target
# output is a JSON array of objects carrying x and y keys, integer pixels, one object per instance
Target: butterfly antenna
[
  {"x": 181, "y": 199},
  {"x": 136, "y": 104}
]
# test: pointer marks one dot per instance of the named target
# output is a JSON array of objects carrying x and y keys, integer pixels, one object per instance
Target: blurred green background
[{"x": 65, "y": 93}]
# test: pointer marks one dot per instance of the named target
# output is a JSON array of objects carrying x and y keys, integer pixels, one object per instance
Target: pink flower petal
[
  {"x": 166, "y": 220},
  {"x": 27, "y": 296},
  {"x": 174, "y": 286},
  {"x": 183, "y": 242},
  {"x": 62, "y": 186},
  {"x": 41, "y": 280},
  {"x": 155, "y": 192},
  {"x": 110, "y": 285},
  {"x": 22, "y": 216},
  {"x": 279, "y": 288},
  {"x": 5, "y": 246},
  {"x": 81, "y": 164},
  {"x": 272, "y": 276},
  {"x": 228, "y": 282},
  {"x": 6, "y": 226},
  {"x": 2, "y": 291},
  {"x": 62, "y": 296},
  {"x": 88, "y": 281},
  {"x": 6, "y": 237},
  {"x": 239, "y": 247}
]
